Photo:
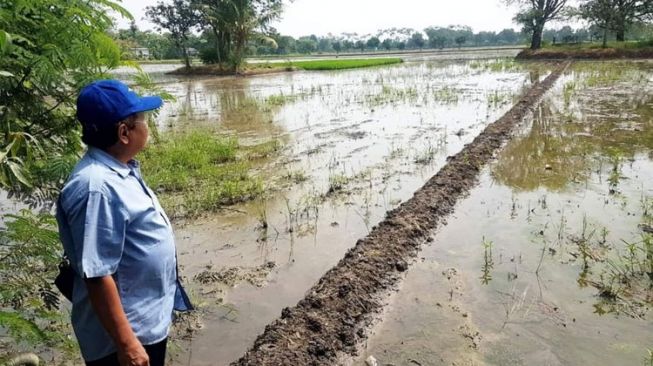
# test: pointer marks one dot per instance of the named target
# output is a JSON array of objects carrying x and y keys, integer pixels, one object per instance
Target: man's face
[
  {"x": 140, "y": 132},
  {"x": 133, "y": 134}
]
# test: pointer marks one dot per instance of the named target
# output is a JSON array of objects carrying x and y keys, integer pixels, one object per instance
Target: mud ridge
[
  {"x": 586, "y": 54},
  {"x": 333, "y": 319}
]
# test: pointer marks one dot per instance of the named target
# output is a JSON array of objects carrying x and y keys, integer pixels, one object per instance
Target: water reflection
[{"x": 566, "y": 145}]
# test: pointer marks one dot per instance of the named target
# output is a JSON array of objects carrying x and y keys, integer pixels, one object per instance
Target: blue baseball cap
[{"x": 104, "y": 103}]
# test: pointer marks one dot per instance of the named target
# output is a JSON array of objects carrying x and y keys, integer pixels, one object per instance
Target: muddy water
[
  {"x": 503, "y": 283},
  {"x": 354, "y": 144}
]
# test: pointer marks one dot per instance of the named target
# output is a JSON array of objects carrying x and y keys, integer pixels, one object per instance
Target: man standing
[{"x": 117, "y": 237}]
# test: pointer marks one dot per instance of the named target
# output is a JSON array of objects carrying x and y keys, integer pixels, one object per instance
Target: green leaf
[
  {"x": 6, "y": 74},
  {"x": 4, "y": 40},
  {"x": 17, "y": 170},
  {"x": 3, "y": 154}
]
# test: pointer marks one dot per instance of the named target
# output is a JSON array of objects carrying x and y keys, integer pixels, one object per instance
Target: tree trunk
[
  {"x": 621, "y": 32},
  {"x": 216, "y": 34},
  {"x": 536, "y": 41},
  {"x": 186, "y": 58},
  {"x": 620, "y": 25},
  {"x": 605, "y": 37}
]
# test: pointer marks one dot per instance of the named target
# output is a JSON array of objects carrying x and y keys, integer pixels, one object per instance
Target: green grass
[
  {"x": 594, "y": 45},
  {"x": 279, "y": 100},
  {"x": 334, "y": 64},
  {"x": 496, "y": 65},
  {"x": 263, "y": 150},
  {"x": 196, "y": 172}
]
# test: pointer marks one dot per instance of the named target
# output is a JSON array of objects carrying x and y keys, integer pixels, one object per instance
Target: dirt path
[{"x": 332, "y": 320}]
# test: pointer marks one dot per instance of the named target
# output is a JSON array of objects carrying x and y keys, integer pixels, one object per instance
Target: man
[{"x": 117, "y": 237}]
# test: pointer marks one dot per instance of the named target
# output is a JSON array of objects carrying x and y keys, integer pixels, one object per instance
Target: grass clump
[
  {"x": 337, "y": 183},
  {"x": 339, "y": 64},
  {"x": 263, "y": 150},
  {"x": 197, "y": 172},
  {"x": 279, "y": 100},
  {"x": 496, "y": 65},
  {"x": 626, "y": 283}
]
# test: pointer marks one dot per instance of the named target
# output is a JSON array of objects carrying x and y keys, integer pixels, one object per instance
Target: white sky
[{"x": 319, "y": 17}]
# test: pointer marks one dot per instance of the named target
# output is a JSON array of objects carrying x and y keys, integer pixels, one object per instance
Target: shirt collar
[{"x": 112, "y": 163}]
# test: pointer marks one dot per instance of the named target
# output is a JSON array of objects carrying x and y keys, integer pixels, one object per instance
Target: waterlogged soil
[
  {"x": 352, "y": 145},
  {"x": 515, "y": 277},
  {"x": 331, "y": 321}
]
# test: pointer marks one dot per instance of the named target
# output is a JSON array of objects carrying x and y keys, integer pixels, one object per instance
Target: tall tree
[
  {"x": 534, "y": 14},
  {"x": 235, "y": 22},
  {"x": 373, "y": 43},
  {"x": 600, "y": 13},
  {"x": 179, "y": 19},
  {"x": 417, "y": 40},
  {"x": 627, "y": 12}
]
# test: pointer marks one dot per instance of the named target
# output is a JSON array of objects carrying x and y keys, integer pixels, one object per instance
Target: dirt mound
[
  {"x": 333, "y": 318},
  {"x": 586, "y": 54},
  {"x": 214, "y": 70}
]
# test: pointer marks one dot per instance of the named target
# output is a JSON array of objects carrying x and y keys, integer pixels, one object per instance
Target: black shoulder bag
[{"x": 65, "y": 279}]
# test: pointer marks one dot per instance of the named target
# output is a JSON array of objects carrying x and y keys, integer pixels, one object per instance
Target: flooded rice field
[
  {"x": 544, "y": 263},
  {"x": 549, "y": 259},
  {"x": 352, "y": 145}
]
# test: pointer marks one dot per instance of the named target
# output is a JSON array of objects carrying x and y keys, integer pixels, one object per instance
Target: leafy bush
[
  {"x": 209, "y": 55},
  {"x": 29, "y": 304}
]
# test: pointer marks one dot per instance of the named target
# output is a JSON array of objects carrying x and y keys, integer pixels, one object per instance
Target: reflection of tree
[
  {"x": 561, "y": 148},
  {"x": 228, "y": 106},
  {"x": 242, "y": 114}
]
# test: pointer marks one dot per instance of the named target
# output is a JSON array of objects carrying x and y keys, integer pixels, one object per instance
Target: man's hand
[
  {"x": 133, "y": 355},
  {"x": 103, "y": 293}
]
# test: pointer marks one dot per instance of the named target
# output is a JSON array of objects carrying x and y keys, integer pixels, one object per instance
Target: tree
[
  {"x": 360, "y": 45},
  {"x": 417, "y": 40},
  {"x": 460, "y": 40},
  {"x": 508, "y": 36},
  {"x": 306, "y": 45},
  {"x": 236, "y": 22},
  {"x": 286, "y": 44},
  {"x": 324, "y": 45},
  {"x": 387, "y": 44},
  {"x": 600, "y": 13},
  {"x": 179, "y": 19},
  {"x": 337, "y": 46},
  {"x": 534, "y": 14},
  {"x": 615, "y": 15},
  {"x": 627, "y": 12},
  {"x": 373, "y": 43}
]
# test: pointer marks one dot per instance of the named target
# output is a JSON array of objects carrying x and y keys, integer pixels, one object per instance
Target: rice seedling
[{"x": 488, "y": 262}]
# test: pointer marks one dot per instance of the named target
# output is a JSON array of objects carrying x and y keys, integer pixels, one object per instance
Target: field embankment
[
  {"x": 268, "y": 68},
  {"x": 332, "y": 320},
  {"x": 557, "y": 53}
]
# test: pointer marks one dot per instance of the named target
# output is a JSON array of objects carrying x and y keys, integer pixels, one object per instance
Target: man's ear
[{"x": 123, "y": 133}]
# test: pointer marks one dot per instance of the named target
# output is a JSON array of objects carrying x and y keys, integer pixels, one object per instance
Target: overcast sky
[{"x": 319, "y": 17}]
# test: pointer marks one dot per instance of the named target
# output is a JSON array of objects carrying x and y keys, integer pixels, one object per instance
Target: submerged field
[
  {"x": 350, "y": 145},
  {"x": 549, "y": 261},
  {"x": 313, "y": 161}
]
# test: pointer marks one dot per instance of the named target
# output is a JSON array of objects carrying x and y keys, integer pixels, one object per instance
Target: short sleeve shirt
[{"x": 111, "y": 223}]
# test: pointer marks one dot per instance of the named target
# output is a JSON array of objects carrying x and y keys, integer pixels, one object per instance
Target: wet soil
[
  {"x": 586, "y": 54},
  {"x": 572, "y": 183},
  {"x": 333, "y": 318}
]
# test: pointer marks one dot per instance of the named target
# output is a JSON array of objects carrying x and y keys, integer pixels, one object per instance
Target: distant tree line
[{"x": 226, "y": 31}]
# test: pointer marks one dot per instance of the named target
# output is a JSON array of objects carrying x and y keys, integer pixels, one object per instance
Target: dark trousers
[{"x": 157, "y": 353}]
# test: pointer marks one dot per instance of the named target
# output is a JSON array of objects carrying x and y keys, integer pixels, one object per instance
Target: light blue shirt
[{"x": 111, "y": 223}]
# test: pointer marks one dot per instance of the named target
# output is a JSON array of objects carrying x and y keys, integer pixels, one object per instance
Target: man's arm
[{"x": 105, "y": 300}]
